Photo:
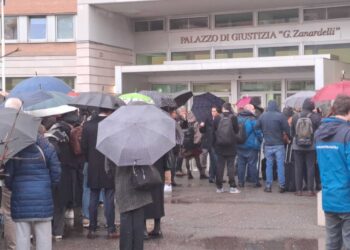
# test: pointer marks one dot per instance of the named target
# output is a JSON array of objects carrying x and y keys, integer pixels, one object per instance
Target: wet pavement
[{"x": 199, "y": 218}]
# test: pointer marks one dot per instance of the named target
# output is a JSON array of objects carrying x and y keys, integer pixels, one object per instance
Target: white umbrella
[{"x": 296, "y": 101}]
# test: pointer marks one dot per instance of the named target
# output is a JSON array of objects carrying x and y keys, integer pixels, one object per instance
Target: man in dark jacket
[
  {"x": 274, "y": 125},
  {"x": 304, "y": 152},
  {"x": 333, "y": 147},
  {"x": 98, "y": 179},
  {"x": 225, "y": 150}
]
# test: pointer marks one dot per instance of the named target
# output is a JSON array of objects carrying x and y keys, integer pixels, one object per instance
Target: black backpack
[
  {"x": 224, "y": 134},
  {"x": 241, "y": 135},
  {"x": 188, "y": 142}
]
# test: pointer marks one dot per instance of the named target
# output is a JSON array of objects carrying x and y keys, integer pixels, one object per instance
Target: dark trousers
[
  {"x": 247, "y": 158},
  {"x": 179, "y": 161},
  {"x": 304, "y": 160},
  {"x": 108, "y": 207},
  {"x": 213, "y": 163},
  {"x": 58, "y": 213},
  {"x": 222, "y": 161},
  {"x": 198, "y": 163},
  {"x": 338, "y": 231},
  {"x": 131, "y": 230}
]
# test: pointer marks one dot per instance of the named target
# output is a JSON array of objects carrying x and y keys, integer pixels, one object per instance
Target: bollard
[{"x": 321, "y": 221}]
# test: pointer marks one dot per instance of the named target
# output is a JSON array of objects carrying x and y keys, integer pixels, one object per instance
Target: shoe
[
  {"x": 241, "y": 185},
  {"x": 220, "y": 190},
  {"x": 190, "y": 176},
  {"x": 86, "y": 223},
  {"x": 267, "y": 189},
  {"x": 69, "y": 214},
  {"x": 91, "y": 235},
  {"x": 258, "y": 185},
  {"x": 309, "y": 194},
  {"x": 211, "y": 180},
  {"x": 298, "y": 193},
  {"x": 180, "y": 174},
  {"x": 57, "y": 237},
  {"x": 282, "y": 190},
  {"x": 168, "y": 188},
  {"x": 155, "y": 235},
  {"x": 113, "y": 235},
  {"x": 203, "y": 177},
  {"x": 234, "y": 190},
  {"x": 145, "y": 235},
  {"x": 174, "y": 184},
  {"x": 318, "y": 187}
]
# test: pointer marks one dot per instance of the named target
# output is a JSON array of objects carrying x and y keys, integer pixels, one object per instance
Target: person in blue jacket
[
  {"x": 332, "y": 140},
  {"x": 248, "y": 152},
  {"x": 30, "y": 178}
]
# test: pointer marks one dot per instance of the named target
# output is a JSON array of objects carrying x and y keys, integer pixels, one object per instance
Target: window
[
  {"x": 260, "y": 86},
  {"x": 232, "y": 20},
  {"x": 315, "y": 14},
  {"x": 10, "y": 28},
  {"x": 154, "y": 25},
  {"x": 212, "y": 87},
  {"x": 189, "y": 23},
  {"x": 300, "y": 85},
  {"x": 65, "y": 27},
  {"x": 192, "y": 55},
  {"x": 150, "y": 59},
  {"x": 342, "y": 51},
  {"x": 279, "y": 51},
  {"x": 37, "y": 28},
  {"x": 233, "y": 53},
  {"x": 278, "y": 16},
  {"x": 338, "y": 12},
  {"x": 169, "y": 88}
]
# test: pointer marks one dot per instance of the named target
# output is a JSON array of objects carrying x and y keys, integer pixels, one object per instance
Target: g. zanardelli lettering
[{"x": 258, "y": 35}]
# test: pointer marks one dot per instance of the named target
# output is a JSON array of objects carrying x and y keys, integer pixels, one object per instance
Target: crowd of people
[{"x": 63, "y": 170}]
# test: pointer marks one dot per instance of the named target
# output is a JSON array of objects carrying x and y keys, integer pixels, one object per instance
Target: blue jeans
[
  {"x": 247, "y": 158},
  {"x": 338, "y": 231},
  {"x": 213, "y": 159},
  {"x": 275, "y": 152}
]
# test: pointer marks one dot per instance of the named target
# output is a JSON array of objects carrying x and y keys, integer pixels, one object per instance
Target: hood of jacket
[
  {"x": 308, "y": 105},
  {"x": 329, "y": 127},
  {"x": 272, "y": 106},
  {"x": 246, "y": 113}
]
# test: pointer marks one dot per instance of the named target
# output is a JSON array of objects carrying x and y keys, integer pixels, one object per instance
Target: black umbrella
[
  {"x": 182, "y": 97},
  {"x": 97, "y": 100},
  {"x": 17, "y": 131},
  {"x": 202, "y": 105},
  {"x": 161, "y": 100}
]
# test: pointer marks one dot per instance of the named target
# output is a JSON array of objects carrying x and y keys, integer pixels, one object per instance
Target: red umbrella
[
  {"x": 331, "y": 91},
  {"x": 243, "y": 101}
]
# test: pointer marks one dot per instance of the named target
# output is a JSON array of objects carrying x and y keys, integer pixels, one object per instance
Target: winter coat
[
  {"x": 155, "y": 210},
  {"x": 97, "y": 176},
  {"x": 127, "y": 197},
  {"x": 254, "y": 136},
  {"x": 197, "y": 150},
  {"x": 208, "y": 134},
  {"x": 230, "y": 150},
  {"x": 333, "y": 155},
  {"x": 273, "y": 125},
  {"x": 30, "y": 180},
  {"x": 307, "y": 109}
]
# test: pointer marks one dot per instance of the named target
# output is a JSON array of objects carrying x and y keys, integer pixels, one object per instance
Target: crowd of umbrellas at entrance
[{"x": 135, "y": 113}]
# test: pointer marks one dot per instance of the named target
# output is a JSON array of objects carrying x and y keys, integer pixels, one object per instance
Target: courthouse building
[{"x": 266, "y": 48}]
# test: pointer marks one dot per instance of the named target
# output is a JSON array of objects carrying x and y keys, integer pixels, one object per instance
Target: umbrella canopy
[
  {"x": 56, "y": 99},
  {"x": 243, "y": 101},
  {"x": 202, "y": 105},
  {"x": 161, "y": 100},
  {"x": 59, "y": 110},
  {"x": 182, "y": 97},
  {"x": 96, "y": 99},
  {"x": 32, "y": 98},
  {"x": 331, "y": 91},
  {"x": 136, "y": 134},
  {"x": 46, "y": 83},
  {"x": 24, "y": 129},
  {"x": 296, "y": 101},
  {"x": 136, "y": 97}
]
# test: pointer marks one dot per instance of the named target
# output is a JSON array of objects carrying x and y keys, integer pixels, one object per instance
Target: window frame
[
  {"x": 233, "y": 13},
  {"x": 34, "y": 40},
  {"x": 17, "y": 33},
  {"x": 278, "y": 46},
  {"x": 276, "y": 10},
  {"x": 188, "y": 23},
  {"x": 74, "y": 28}
]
